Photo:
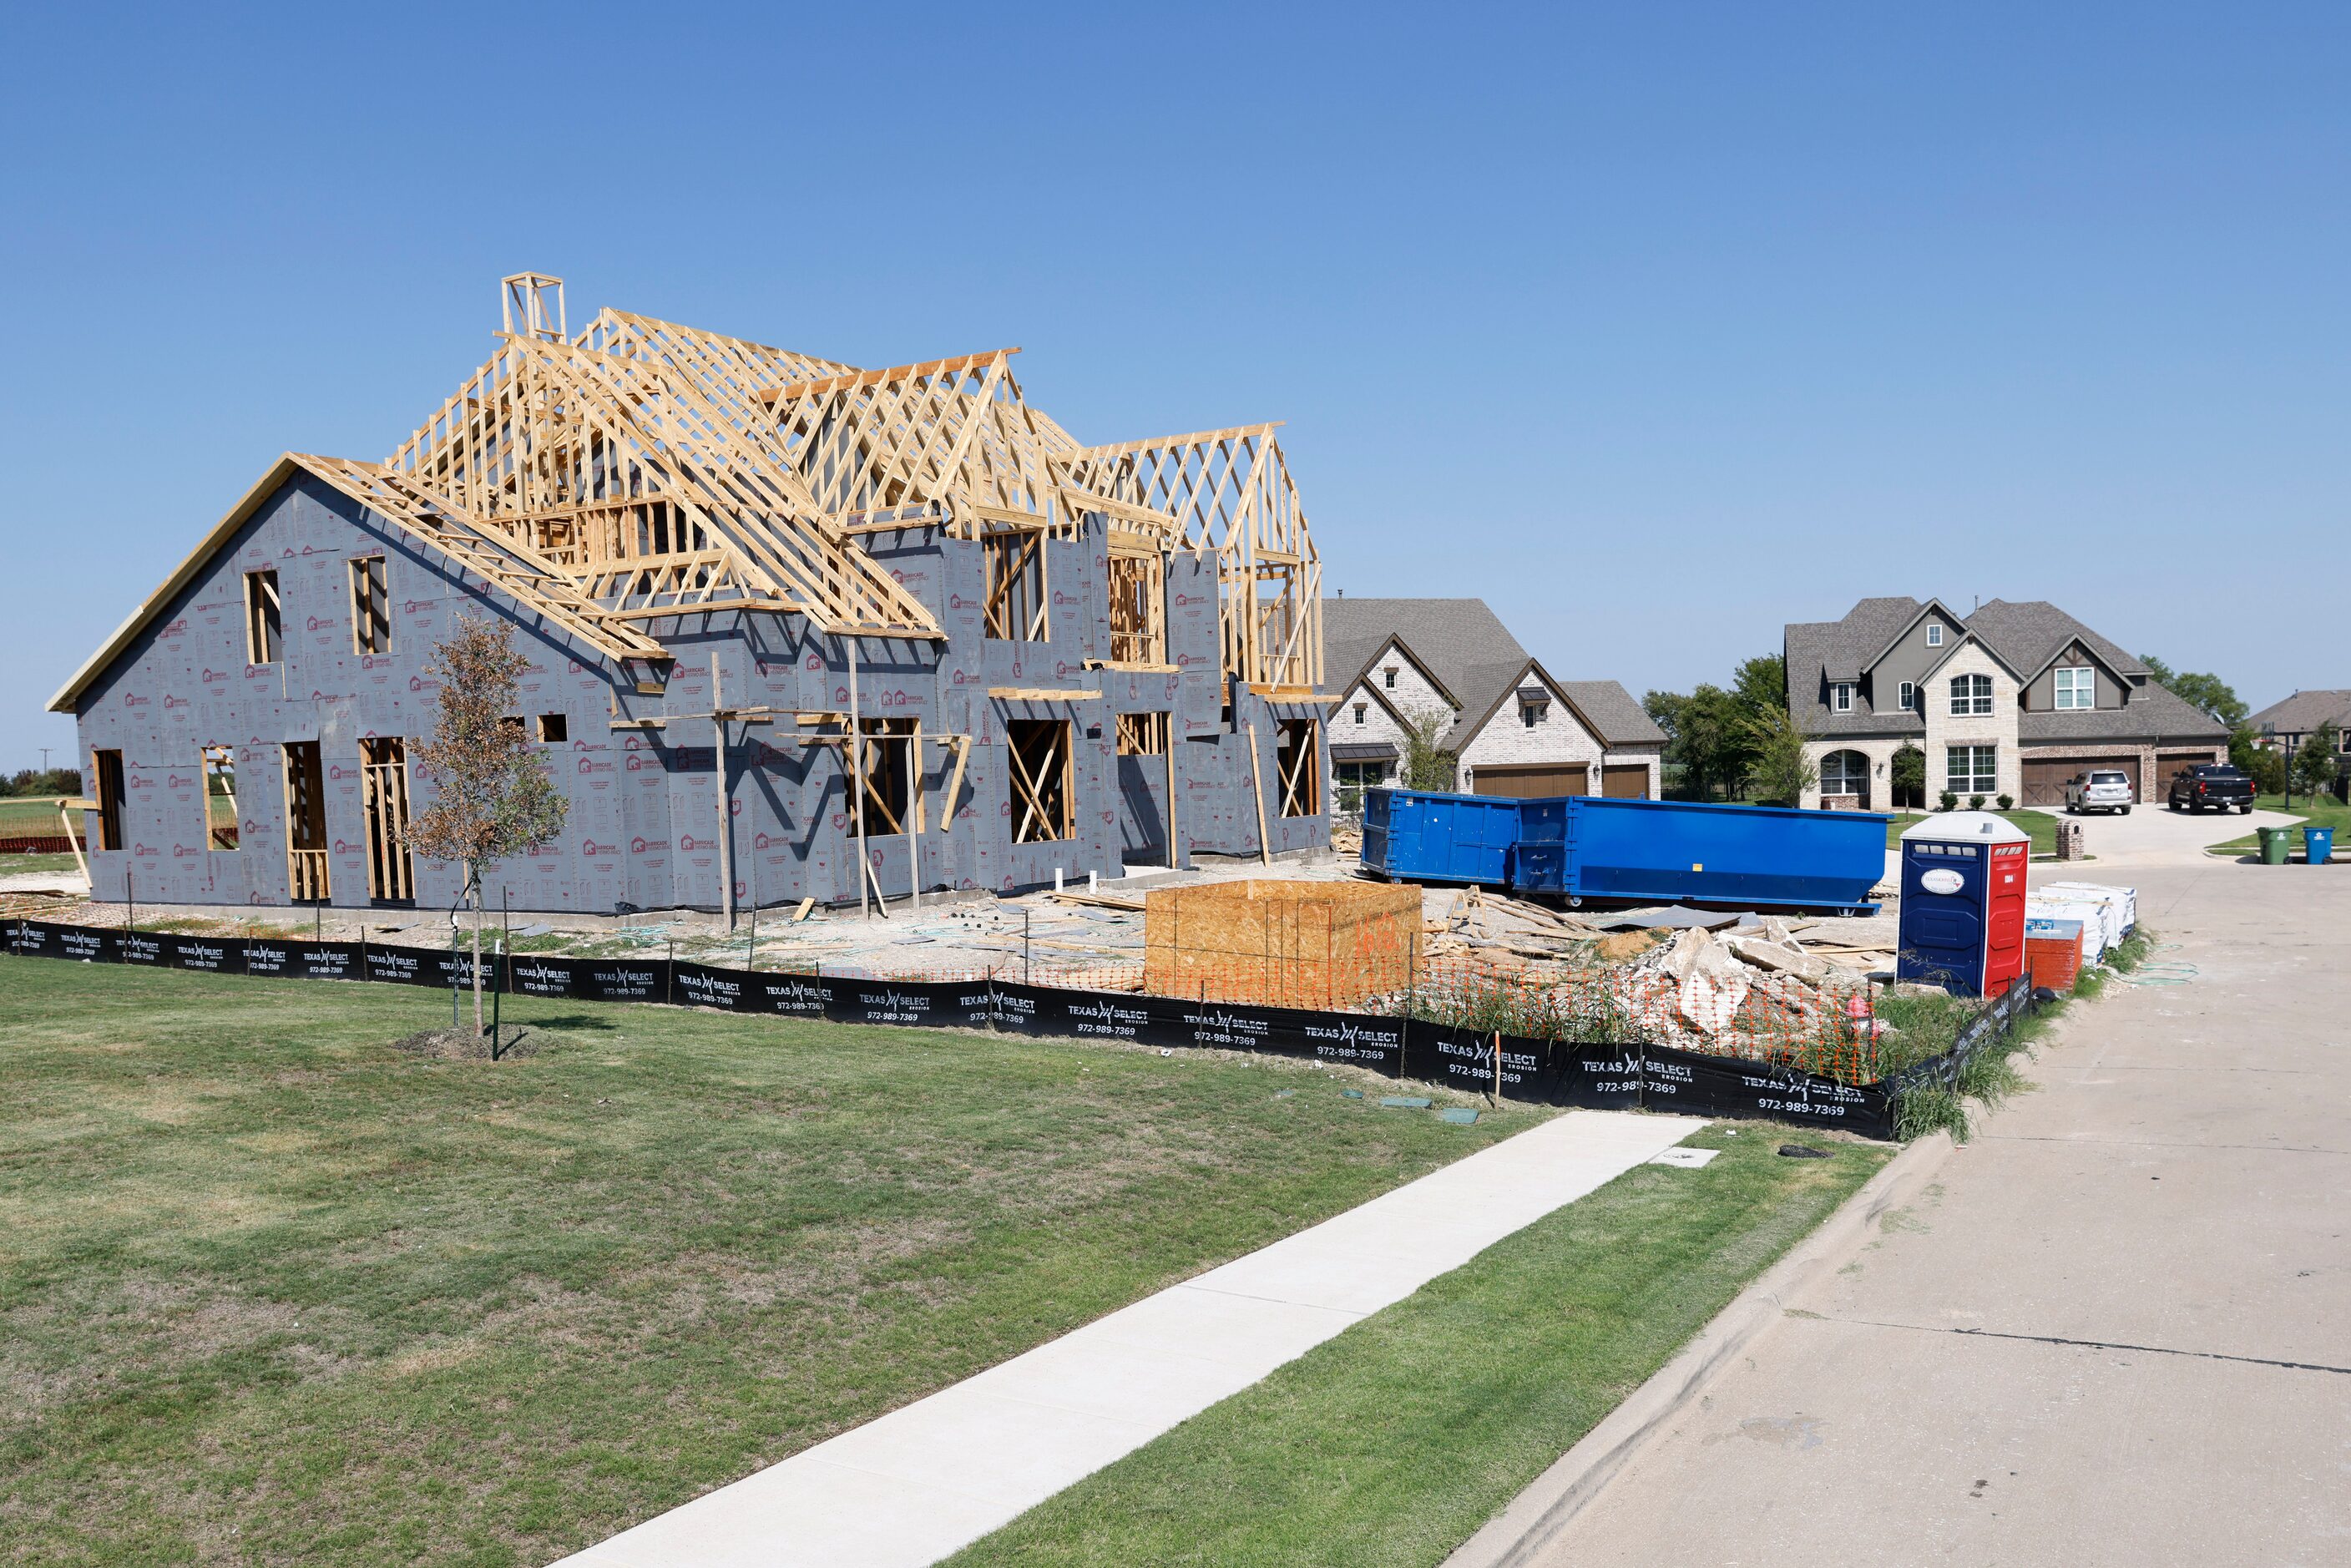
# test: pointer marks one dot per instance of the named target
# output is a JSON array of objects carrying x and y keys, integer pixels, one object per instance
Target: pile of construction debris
[
  {"x": 1753, "y": 992},
  {"x": 1749, "y": 984}
]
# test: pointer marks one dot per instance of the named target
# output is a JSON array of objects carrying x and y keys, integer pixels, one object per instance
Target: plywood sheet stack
[{"x": 1282, "y": 943}]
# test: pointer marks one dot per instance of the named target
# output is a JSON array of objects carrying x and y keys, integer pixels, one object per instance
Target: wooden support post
[
  {"x": 915, "y": 815},
  {"x": 725, "y": 802},
  {"x": 955, "y": 785},
  {"x": 65, "y": 815},
  {"x": 1174, "y": 857},
  {"x": 857, "y": 776},
  {"x": 1256, "y": 788}
]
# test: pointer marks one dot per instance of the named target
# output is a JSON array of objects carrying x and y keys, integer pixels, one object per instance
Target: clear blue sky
[{"x": 1654, "y": 325}]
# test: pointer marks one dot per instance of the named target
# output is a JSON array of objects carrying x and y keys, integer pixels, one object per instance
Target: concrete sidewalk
[
  {"x": 2115, "y": 1330},
  {"x": 934, "y": 1476}
]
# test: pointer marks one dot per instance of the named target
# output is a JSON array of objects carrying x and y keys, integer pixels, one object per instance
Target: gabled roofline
[
  {"x": 2121, "y": 676},
  {"x": 516, "y": 573},
  {"x": 1909, "y": 626},
  {"x": 1394, "y": 640},
  {"x": 1967, "y": 635},
  {"x": 1387, "y": 706},
  {"x": 182, "y": 575},
  {"x": 1552, "y": 684}
]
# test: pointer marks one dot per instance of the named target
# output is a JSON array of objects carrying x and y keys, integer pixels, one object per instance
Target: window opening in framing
[
  {"x": 554, "y": 729},
  {"x": 1143, "y": 734},
  {"x": 264, "y": 624},
  {"x": 1138, "y": 609},
  {"x": 220, "y": 797},
  {"x": 370, "y": 606},
  {"x": 106, "y": 770},
  {"x": 1015, "y": 608},
  {"x": 886, "y": 755},
  {"x": 305, "y": 824},
  {"x": 1298, "y": 768},
  {"x": 383, "y": 767},
  {"x": 1038, "y": 752}
]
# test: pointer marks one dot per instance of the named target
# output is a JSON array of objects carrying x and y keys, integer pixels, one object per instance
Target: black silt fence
[{"x": 1537, "y": 1071}]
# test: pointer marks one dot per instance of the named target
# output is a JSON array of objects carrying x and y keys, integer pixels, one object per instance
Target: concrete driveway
[
  {"x": 2153, "y": 836},
  {"x": 2116, "y": 1328}
]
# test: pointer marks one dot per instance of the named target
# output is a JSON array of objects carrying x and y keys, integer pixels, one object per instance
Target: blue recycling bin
[{"x": 2318, "y": 844}]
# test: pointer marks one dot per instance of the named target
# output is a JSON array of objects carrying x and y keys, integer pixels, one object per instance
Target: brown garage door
[
  {"x": 2168, "y": 763},
  {"x": 1624, "y": 780},
  {"x": 1534, "y": 782},
  {"x": 2046, "y": 776}
]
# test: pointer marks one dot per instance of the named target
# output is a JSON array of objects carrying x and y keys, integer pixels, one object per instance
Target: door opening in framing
[
  {"x": 1014, "y": 606},
  {"x": 1299, "y": 766},
  {"x": 885, "y": 763},
  {"x": 265, "y": 630},
  {"x": 220, "y": 797},
  {"x": 305, "y": 824},
  {"x": 1142, "y": 734},
  {"x": 1138, "y": 609},
  {"x": 1038, "y": 754},
  {"x": 106, "y": 767},
  {"x": 383, "y": 769}
]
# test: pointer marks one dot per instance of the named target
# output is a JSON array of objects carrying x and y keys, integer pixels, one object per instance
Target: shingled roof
[
  {"x": 2305, "y": 711},
  {"x": 1472, "y": 655}
]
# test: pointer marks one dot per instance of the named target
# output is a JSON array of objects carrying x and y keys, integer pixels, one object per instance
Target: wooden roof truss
[{"x": 1230, "y": 491}]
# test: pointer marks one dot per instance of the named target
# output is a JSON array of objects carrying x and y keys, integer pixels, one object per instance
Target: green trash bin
[{"x": 2273, "y": 843}]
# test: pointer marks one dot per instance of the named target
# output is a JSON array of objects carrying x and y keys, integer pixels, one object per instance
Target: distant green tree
[
  {"x": 2207, "y": 694},
  {"x": 2264, "y": 765},
  {"x": 1426, "y": 765},
  {"x": 2314, "y": 764},
  {"x": 1782, "y": 770},
  {"x": 1907, "y": 775}
]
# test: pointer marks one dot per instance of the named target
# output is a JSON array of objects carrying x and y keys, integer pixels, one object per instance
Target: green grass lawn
[
  {"x": 2319, "y": 811},
  {"x": 1388, "y": 1445},
  {"x": 273, "y": 1292},
  {"x": 2042, "y": 825},
  {"x": 11, "y": 865},
  {"x": 32, "y": 814}
]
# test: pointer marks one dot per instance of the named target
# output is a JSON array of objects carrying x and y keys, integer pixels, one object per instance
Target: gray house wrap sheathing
[{"x": 628, "y": 678}]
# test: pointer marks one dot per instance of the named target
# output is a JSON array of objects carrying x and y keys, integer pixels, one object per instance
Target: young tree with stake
[{"x": 492, "y": 795}]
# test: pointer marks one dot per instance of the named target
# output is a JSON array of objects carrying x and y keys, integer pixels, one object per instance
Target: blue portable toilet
[{"x": 1962, "y": 922}]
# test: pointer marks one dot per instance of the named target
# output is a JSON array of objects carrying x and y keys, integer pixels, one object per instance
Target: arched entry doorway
[{"x": 1845, "y": 774}]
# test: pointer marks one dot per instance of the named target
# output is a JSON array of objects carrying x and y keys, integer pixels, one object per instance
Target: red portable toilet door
[{"x": 2003, "y": 918}]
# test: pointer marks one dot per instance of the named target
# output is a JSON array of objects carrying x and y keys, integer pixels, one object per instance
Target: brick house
[
  {"x": 2286, "y": 725},
  {"x": 1513, "y": 727},
  {"x": 2011, "y": 700}
]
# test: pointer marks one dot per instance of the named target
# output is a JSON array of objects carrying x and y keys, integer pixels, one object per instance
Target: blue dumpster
[
  {"x": 1587, "y": 846},
  {"x": 1742, "y": 856},
  {"x": 1420, "y": 835},
  {"x": 2318, "y": 844}
]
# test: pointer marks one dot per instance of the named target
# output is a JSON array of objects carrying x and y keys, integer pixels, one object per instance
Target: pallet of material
[{"x": 1282, "y": 943}]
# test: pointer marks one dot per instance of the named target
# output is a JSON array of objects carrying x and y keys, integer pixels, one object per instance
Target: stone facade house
[
  {"x": 1513, "y": 728},
  {"x": 2013, "y": 700}
]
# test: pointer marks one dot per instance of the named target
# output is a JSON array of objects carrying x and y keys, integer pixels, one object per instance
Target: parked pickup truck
[
  {"x": 2214, "y": 785},
  {"x": 2099, "y": 790}
]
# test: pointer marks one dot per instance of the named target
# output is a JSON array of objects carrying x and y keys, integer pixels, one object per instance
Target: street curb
[{"x": 1512, "y": 1537}]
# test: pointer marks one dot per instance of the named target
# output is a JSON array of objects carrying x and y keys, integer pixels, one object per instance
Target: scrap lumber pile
[{"x": 1755, "y": 992}]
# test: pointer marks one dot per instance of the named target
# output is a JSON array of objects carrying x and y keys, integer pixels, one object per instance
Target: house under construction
[{"x": 796, "y": 629}]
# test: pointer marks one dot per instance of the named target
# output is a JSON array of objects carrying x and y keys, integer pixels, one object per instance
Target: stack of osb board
[{"x": 1282, "y": 943}]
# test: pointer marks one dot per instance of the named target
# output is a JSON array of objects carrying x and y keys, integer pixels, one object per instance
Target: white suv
[{"x": 2101, "y": 789}]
